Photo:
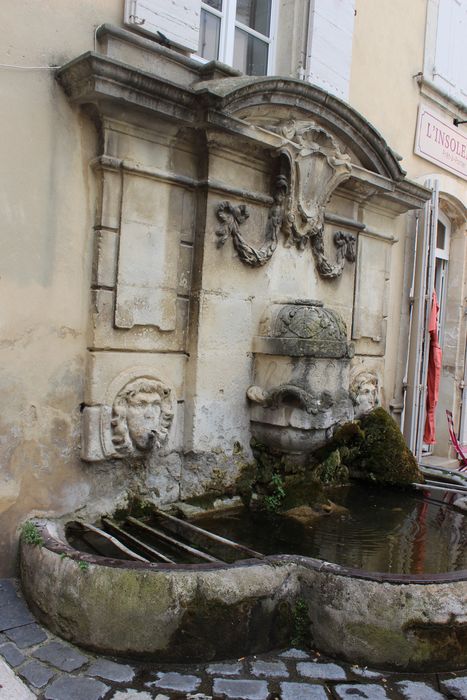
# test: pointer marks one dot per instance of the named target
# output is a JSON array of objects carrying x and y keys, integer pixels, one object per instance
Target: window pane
[
  {"x": 441, "y": 236},
  {"x": 216, "y": 4},
  {"x": 250, "y": 54},
  {"x": 255, "y": 14},
  {"x": 209, "y": 31}
]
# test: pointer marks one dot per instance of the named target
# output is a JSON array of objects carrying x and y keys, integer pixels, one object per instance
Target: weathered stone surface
[
  {"x": 301, "y": 376},
  {"x": 302, "y": 691},
  {"x": 111, "y": 671},
  {"x": 137, "y": 422},
  {"x": 295, "y": 654},
  {"x": 136, "y": 695},
  {"x": 163, "y": 476},
  {"x": 241, "y": 689},
  {"x": 178, "y": 605},
  {"x": 14, "y": 614},
  {"x": 62, "y": 656},
  {"x": 177, "y": 681},
  {"x": 415, "y": 690},
  {"x": 456, "y": 687},
  {"x": 269, "y": 668},
  {"x": 371, "y": 298},
  {"x": 225, "y": 669},
  {"x": 11, "y": 654},
  {"x": 384, "y": 623},
  {"x": 8, "y": 593},
  {"x": 362, "y": 692},
  {"x": 366, "y": 673},
  {"x": 319, "y": 671},
  {"x": 11, "y": 688},
  {"x": 75, "y": 688},
  {"x": 36, "y": 674},
  {"x": 26, "y": 636}
]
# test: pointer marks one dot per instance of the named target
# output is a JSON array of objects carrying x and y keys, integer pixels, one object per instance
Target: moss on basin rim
[{"x": 215, "y": 611}]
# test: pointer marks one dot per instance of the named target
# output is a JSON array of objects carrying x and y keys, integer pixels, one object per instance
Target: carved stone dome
[{"x": 305, "y": 327}]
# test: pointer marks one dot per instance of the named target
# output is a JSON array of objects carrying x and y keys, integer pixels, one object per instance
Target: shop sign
[{"x": 439, "y": 141}]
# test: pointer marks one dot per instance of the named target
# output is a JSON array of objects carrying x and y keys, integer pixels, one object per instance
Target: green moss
[
  {"x": 347, "y": 439},
  {"x": 372, "y": 448},
  {"x": 31, "y": 535},
  {"x": 301, "y": 624},
  {"x": 383, "y": 455},
  {"x": 332, "y": 470},
  {"x": 274, "y": 501},
  {"x": 388, "y": 644}
]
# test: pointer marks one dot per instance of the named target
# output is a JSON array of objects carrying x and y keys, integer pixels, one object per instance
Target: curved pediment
[{"x": 257, "y": 100}]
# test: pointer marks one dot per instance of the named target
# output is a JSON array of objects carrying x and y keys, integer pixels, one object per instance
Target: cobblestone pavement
[{"x": 51, "y": 669}]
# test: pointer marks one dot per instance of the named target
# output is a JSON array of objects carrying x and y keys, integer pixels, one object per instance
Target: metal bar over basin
[
  {"x": 158, "y": 534},
  {"x": 116, "y": 543},
  {"x": 203, "y": 537},
  {"x": 139, "y": 544}
]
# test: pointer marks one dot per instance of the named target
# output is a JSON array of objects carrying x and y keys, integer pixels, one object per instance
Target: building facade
[{"x": 146, "y": 197}]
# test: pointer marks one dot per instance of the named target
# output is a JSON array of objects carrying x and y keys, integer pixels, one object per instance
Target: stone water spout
[{"x": 301, "y": 389}]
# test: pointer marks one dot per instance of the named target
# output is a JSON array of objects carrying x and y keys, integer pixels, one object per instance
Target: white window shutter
[
  {"x": 329, "y": 54},
  {"x": 175, "y": 20},
  {"x": 444, "y": 71},
  {"x": 460, "y": 52},
  {"x": 449, "y": 66}
]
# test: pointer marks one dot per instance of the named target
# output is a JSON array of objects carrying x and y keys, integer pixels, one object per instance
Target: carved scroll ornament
[
  {"x": 291, "y": 394},
  {"x": 316, "y": 168}
]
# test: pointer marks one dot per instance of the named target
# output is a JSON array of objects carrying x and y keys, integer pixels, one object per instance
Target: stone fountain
[{"x": 242, "y": 250}]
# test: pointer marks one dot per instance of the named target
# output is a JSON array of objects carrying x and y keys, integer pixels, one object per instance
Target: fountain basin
[{"x": 199, "y": 612}]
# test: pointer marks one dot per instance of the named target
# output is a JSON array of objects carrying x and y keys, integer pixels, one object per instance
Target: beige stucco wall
[
  {"x": 388, "y": 52},
  {"x": 46, "y": 200}
]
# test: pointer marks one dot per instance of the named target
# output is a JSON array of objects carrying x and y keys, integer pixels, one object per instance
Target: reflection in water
[{"x": 386, "y": 530}]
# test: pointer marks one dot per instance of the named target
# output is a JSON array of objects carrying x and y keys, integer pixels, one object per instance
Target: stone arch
[{"x": 237, "y": 97}]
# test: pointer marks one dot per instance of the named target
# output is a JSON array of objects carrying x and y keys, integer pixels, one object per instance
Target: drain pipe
[
  {"x": 303, "y": 67},
  {"x": 424, "y": 487}
]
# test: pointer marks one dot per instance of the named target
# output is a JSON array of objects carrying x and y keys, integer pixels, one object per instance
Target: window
[
  {"x": 239, "y": 33},
  {"x": 441, "y": 269},
  {"x": 445, "y": 47}
]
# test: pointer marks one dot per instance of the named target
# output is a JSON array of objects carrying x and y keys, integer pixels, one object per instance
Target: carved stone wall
[{"x": 216, "y": 205}]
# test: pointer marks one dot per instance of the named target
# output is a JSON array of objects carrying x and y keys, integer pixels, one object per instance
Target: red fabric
[{"x": 434, "y": 374}]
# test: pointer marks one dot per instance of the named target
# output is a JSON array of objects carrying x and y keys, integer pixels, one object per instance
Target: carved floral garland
[{"x": 233, "y": 217}]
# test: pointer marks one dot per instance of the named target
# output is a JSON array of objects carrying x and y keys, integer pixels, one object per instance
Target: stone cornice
[
  {"x": 220, "y": 105},
  {"x": 93, "y": 78}
]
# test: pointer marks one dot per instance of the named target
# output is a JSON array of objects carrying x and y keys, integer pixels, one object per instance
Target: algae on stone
[
  {"x": 383, "y": 455},
  {"x": 372, "y": 448},
  {"x": 332, "y": 470}
]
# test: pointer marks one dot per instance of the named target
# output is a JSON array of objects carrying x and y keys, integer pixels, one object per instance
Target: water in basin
[{"x": 385, "y": 530}]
